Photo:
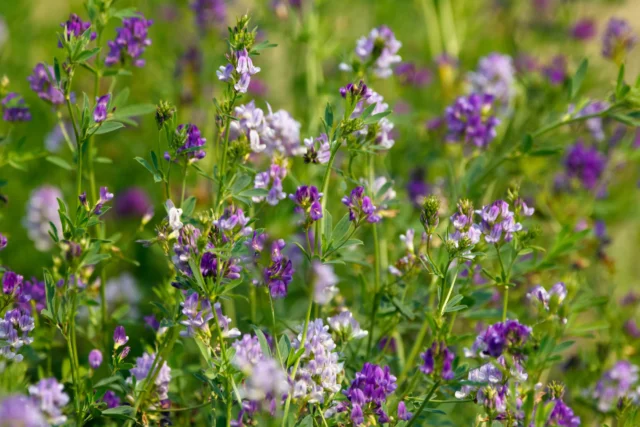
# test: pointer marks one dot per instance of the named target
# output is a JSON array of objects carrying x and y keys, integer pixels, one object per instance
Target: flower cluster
[
  {"x": 552, "y": 299},
  {"x": 318, "y": 150},
  {"x": 367, "y": 393},
  {"x": 44, "y": 86},
  {"x": 42, "y": 209},
  {"x": 130, "y": 43},
  {"x": 619, "y": 38},
  {"x": 307, "y": 200},
  {"x": 380, "y": 48},
  {"x": 187, "y": 144},
  {"x": 15, "y": 109},
  {"x": 163, "y": 377},
  {"x": 499, "y": 338},
  {"x": 14, "y": 332},
  {"x": 49, "y": 396},
  {"x": 360, "y": 207},
  {"x": 438, "y": 360},
  {"x": 279, "y": 274},
  {"x": 585, "y": 164},
  {"x": 469, "y": 120},
  {"x": 240, "y": 75},
  {"x": 346, "y": 327},
  {"x": 319, "y": 368},
  {"x": 495, "y": 76},
  {"x": 618, "y": 382},
  {"x": 271, "y": 180},
  {"x": 75, "y": 27}
]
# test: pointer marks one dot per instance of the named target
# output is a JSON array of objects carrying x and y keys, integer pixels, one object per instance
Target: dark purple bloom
[
  {"x": 130, "y": 42},
  {"x": 75, "y": 27},
  {"x": 307, "y": 200},
  {"x": 42, "y": 84},
  {"x": 556, "y": 70},
  {"x": 120, "y": 337},
  {"x": 619, "y": 38},
  {"x": 501, "y": 337},
  {"x": 438, "y": 354},
  {"x": 360, "y": 207},
  {"x": 584, "y": 29},
  {"x": 190, "y": 141},
  {"x": 15, "y": 109},
  {"x": 368, "y": 391},
  {"x": 132, "y": 202},
  {"x": 101, "y": 110},
  {"x": 105, "y": 197},
  {"x": 111, "y": 399},
  {"x": 280, "y": 272},
  {"x": 32, "y": 290},
  {"x": 417, "y": 187},
  {"x": 355, "y": 91},
  {"x": 469, "y": 120},
  {"x": 585, "y": 163},
  {"x": 95, "y": 358},
  {"x": 11, "y": 282},
  {"x": 208, "y": 13}
]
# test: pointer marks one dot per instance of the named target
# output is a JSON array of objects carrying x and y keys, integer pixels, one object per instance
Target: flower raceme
[{"x": 360, "y": 207}]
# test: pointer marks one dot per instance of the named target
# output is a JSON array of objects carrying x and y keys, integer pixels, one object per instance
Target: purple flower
[
  {"x": 189, "y": 142},
  {"x": 132, "y": 202},
  {"x": 383, "y": 137},
  {"x": 152, "y": 322},
  {"x": 462, "y": 222},
  {"x": 282, "y": 134},
  {"x": 555, "y": 296},
  {"x": 75, "y": 27},
  {"x": 498, "y": 219},
  {"x": 495, "y": 76},
  {"x": 163, "y": 376},
  {"x": 279, "y": 274},
  {"x": 584, "y": 29},
  {"x": 14, "y": 332},
  {"x": 208, "y": 13},
  {"x": 105, "y": 197},
  {"x": 248, "y": 352},
  {"x": 245, "y": 65},
  {"x": 257, "y": 242},
  {"x": 324, "y": 282},
  {"x": 619, "y": 38},
  {"x": 562, "y": 415},
  {"x": 19, "y": 410},
  {"x": 556, "y": 70},
  {"x": 307, "y": 200},
  {"x": 411, "y": 75},
  {"x": 368, "y": 391},
  {"x": 111, "y": 399},
  {"x": 492, "y": 395},
  {"x": 130, "y": 42},
  {"x": 346, "y": 326},
  {"x": 186, "y": 248},
  {"x": 318, "y": 150},
  {"x": 101, "y": 109},
  {"x": 403, "y": 414},
  {"x": 360, "y": 207},
  {"x": 195, "y": 319},
  {"x": 380, "y": 48},
  {"x": 251, "y": 124},
  {"x": 120, "y": 337},
  {"x": 11, "y": 282},
  {"x": 3, "y": 241},
  {"x": 32, "y": 291},
  {"x": 620, "y": 381},
  {"x": 14, "y": 109},
  {"x": 417, "y": 187},
  {"x": 438, "y": 354},
  {"x": 584, "y": 163},
  {"x": 42, "y": 208},
  {"x": 224, "y": 72},
  {"x": 95, "y": 358},
  {"x": 469, "y": 120},
  {"x": 271, "y": 181},
  {"x": 507, "y": 336},
  {"x": 48, "y": 394},
  {"x": 42, "y": 84}
]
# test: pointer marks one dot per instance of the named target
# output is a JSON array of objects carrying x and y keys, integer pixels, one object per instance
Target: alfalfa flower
[
  {"x": 130, "y": 42},
  {"x": 470, "y": 119},
  {"x": 15, "y": 109},
  {"x": 619, "y": 38},
  {"x": 43, "y": 83}
]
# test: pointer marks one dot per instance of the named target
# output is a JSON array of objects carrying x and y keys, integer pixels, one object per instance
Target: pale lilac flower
[
  {"x": 324, "y": 282},
  {"x": 95, "y": 358},
  {"x": 381, "y": 47},
  {"x": 251, "y": 123},
  {"x": 345, "y": 326},
  {"x": 318, "y": 150},
  {"x": 224, "y": 72},
  {"x": 48, "y": 394},
  {"x": 42, "y": 208},
  {"x": 267, "y": 381},
  {"x": 141, "y": 371},
  {"x": 248, "y": 353},
  {"x": 619, "y": 38},
  {"x": 271, "y": 181},
  {"x": 19, "y": 410},
  {"x": 620, "y": 381},
  {"x": 495, "y": 76},
  {"x": 283, "y": 135}
]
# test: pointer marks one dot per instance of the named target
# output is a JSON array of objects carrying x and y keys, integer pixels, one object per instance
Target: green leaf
[
  {"x": 527, "y": 143},
  {"x": 578, "y": 78},
  {"x": 241, "y": 182},
  {"x": 264, "y": 344},
  {"x": 376, "y": 117},
  {"x": 108, "y": 127},
  {"x": 402, "y": 308},
  {"x": 189, "y": 206},
  {"x": 58, "y": 161},
  {"x": 328, "y": 116},
  {"x": 156, "y": 175},
  {"x": 120, "y": 412},
  {"x": 135, "y": 110},
  {"x": 87, "y": 54},
  {"x": 254, "y": 192},
  {"x": 128, "y": 12},
  {"x": 342, "y": 227}
]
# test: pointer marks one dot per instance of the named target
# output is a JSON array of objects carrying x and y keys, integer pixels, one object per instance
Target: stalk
[
  {"x": 424, "y": 403},
  {"x": 376, "y": 262}
]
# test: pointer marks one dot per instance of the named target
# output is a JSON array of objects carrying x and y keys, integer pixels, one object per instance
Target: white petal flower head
[{"x": 175, "y": 215}]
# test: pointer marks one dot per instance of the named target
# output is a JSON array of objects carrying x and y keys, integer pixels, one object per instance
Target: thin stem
[
  {"x": 424, "y": 403},
  {"x": 561, "y": 123},
  {"x": 275, "y": 332},
  {"x": 325, "y": 190},
  {"x": 376, "y": 261},
  {"x": 184, "y": 184},
  {"x": 295, "y": 366},
  {"x": 73, "y": 357},
  {"x": 505, "y": 303},
  {"x": 415, "y": 350},
  {"x": 223, "y": 169}
]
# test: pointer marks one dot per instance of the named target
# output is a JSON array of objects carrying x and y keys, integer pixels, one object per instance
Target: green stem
[
  {"x": 184, "y": 184},
  {"x": 223, "y": 169},
  {"x": 424, "y": 403},
  {"x": 561, "y": 123},
  {"x": 325, "y": 190},
  {"x": 415, "y": 350},
  {"x": 275, "y": 332},
  {"x": 505, "y": 303},
  {"x": 376, "y": 261},
  {"x": 297, "y": 364},
  {"x": 73, "y": 357}
]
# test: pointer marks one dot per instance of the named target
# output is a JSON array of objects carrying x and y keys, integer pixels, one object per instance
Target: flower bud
[
  {"x": 429, "y": 215},
  {"x": 164, "y": 112}
]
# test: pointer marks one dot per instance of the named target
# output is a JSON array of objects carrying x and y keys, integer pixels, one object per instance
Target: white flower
[{"x": 174, "y": 216}]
